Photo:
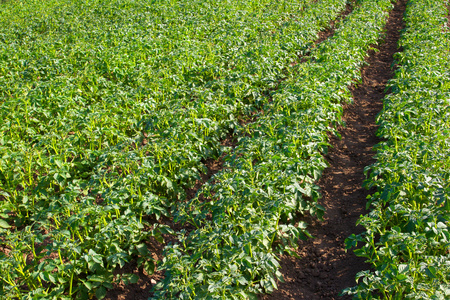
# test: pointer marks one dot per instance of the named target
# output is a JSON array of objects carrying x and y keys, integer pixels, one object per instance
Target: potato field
[{"x": 187, "y": 139}]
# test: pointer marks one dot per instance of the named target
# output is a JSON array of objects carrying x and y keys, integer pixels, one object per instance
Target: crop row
[
  {"x": 247, "y": 212},
  {"x": 109, "y": 109},
  {"x": 407, "y": 237}
]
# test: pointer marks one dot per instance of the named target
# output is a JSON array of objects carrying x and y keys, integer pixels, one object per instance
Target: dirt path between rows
[{"x": 325, "y": 268}]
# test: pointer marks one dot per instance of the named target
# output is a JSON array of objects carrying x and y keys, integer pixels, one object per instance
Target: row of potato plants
[
  {"x": 246, "y": 213},
  {"x": 407, "y": 237},
  {"x": 109, "y": 109}
]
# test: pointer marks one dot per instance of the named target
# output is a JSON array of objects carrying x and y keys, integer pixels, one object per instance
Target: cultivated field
[{"x": 186, "y": 139}]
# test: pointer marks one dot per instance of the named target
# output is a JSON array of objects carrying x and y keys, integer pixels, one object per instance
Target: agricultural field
[{"x": 202, "y": 128}]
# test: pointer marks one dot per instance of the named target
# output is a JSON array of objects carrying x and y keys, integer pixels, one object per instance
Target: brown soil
[{"x": 325, "y": 268}]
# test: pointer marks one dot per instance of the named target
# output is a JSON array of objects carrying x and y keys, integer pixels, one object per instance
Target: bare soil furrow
[{"x": 324, "y": 268}]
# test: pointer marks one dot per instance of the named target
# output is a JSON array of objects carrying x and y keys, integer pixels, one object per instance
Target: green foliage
[
  {"x": 109, "y": 109},
  {"x": 247, "y": 212}
]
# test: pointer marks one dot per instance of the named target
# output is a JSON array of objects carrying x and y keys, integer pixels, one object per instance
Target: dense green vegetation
[
  {"x": 249, "y": 209},
  {"x": 109, "y": 109},
  {"x": 407, "y": 238}
]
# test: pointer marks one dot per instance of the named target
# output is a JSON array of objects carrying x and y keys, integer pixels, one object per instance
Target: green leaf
[
  {"x": 149, "y": 266},
  {"x": 4, "y": 194},
  {"x": 4, "y": 224},
  {"x": 403, "y": 268},
  {"x": 199, "y": 276},
  {"x": 134, "y": 278},
  {"x": 87, "y": 284},
  {"x": 142, "y": 249},
  {"x": 431, "y": 272},
  {"x": 401, "y": 277},
  {"x": 100, "y": 292},
  {"x": 242, "y": 281}
]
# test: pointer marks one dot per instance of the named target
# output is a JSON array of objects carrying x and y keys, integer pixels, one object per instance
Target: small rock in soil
[{"x": 315, "y": 273}]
